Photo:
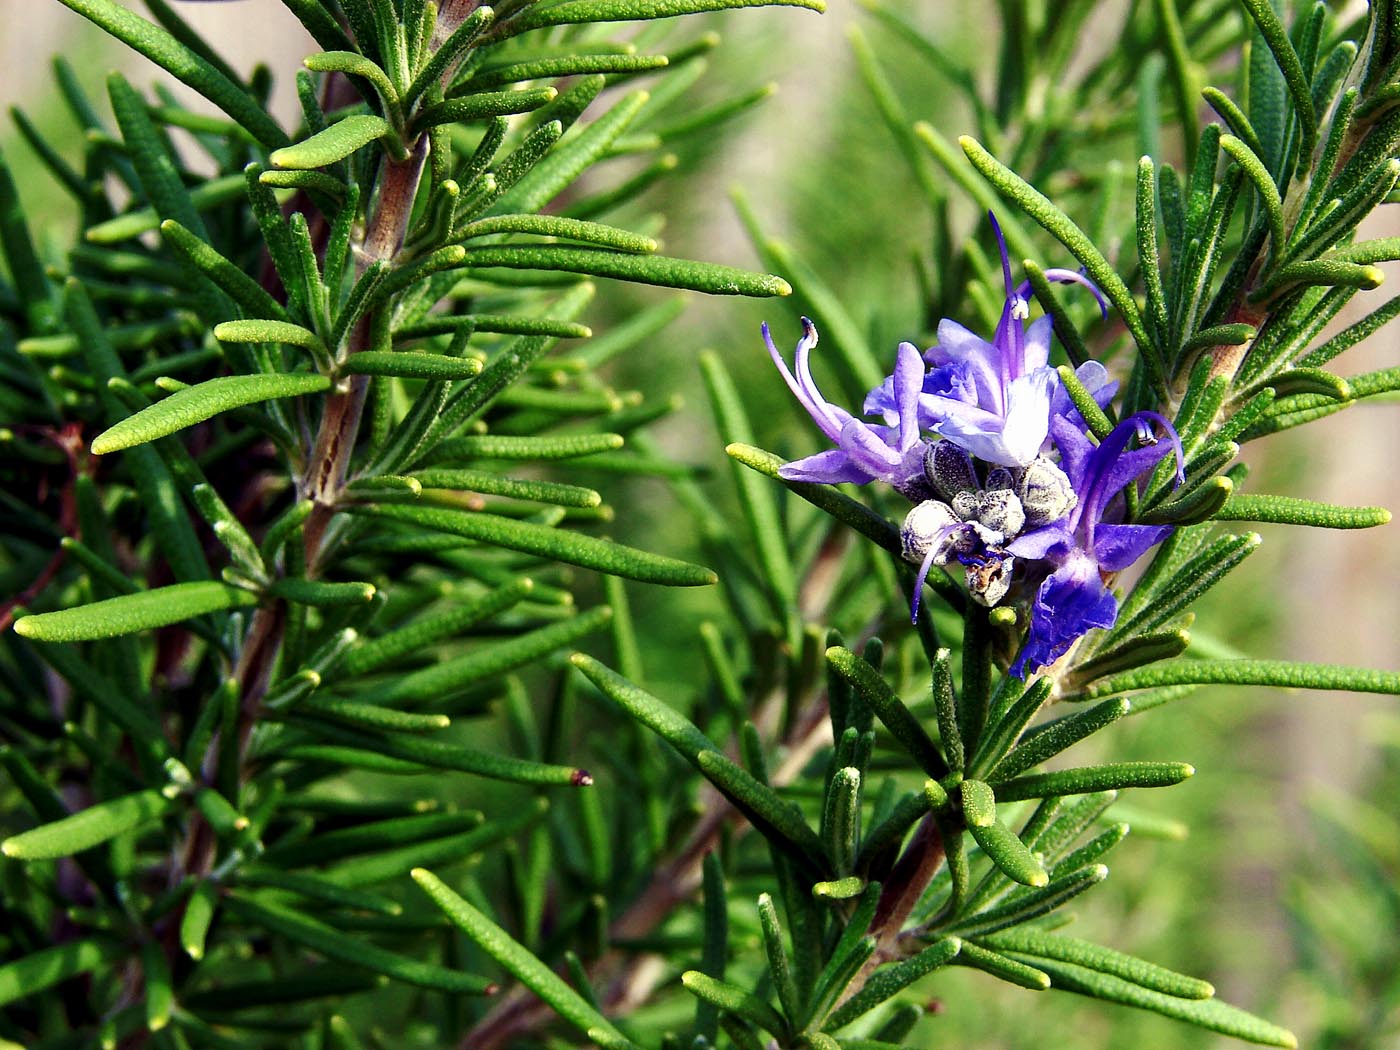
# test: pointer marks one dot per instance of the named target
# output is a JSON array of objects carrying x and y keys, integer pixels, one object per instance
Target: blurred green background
[{"x": 1274, "y": 895}]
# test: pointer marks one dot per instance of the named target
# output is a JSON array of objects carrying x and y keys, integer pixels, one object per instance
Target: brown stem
[{"x": 340, "y": 423}]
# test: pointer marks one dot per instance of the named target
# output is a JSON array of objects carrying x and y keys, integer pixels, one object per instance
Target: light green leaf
[
  {"x": 203, "y": 401},
  {"x": 128, "y": 613},
  {"x": 711, "y": 278},
  {"x": 334, "y": 143},
  {"x": 88, "y": 827},
  {"x": 33, "y": 973},
  {"x": 182, "y": 63},
  {"x": 357, "y": 951},
  {"x": 515, "y": 957},
  {"x": 558, "y": 544}
]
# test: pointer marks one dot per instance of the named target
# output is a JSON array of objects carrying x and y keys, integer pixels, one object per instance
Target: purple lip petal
[
  {"x": 832, "y": 467},
  {"x": 1118, "y": 546}
]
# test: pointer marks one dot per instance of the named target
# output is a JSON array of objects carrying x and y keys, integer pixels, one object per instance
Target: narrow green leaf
[
  {"x": 334, "y": 143},
  {"x": 543, "y": 446},
  {"x": 1003, "y": 967},
  {"x": 265, "y": 331},
  {"x": 733, "y": 1000},
  {"x": 1026, "y": 905},
  {"x": 1058, "y": 736},
  {"x": 1276, "y": 36},
  {"x": 203, "y": 401},
  {"x": 31, "y": 974},
  {"x": 710, "y": 278},
  {"x": 1257, "y": 174},
  {"x": 87, "y": 827},
  {"x": 1211, "y": 1014},
  {"x": 998, "y": 841},
  {"x": 1288, "y": 510},
  {"x": 1281, "y": 674},
  {"x": 433, "y": 754},
  {"x": 779, "y": 965},
  {"x": 841, "y": 822},
  {"x": 448, "y": 677},
  {"x": 357, "y": 951},
  {"x": 547, "y": 179},
  {"x": 760, "y": 802},
  {"x": 352, "y": 64},
  {"x": 1111, "y": 777},
  {"x": 557, "y": 226},
  {"x": 558, "y": 544},
  {"x": 890, "y": 980},
  {"x": 1030, "y": 941},
  {"x": 423, "y": 632},
  {"x": 484, "y": 105},
  {"x": 242, "y": 289},
  {"x": 321, "y": 593},
  {"x": 1144, "y": 649},
  {"x": 182, "y": 63},
  {"x": 574, "y": 11},
  {"x": 128, "y": 613},
  {"x": 876, "y": 692},
  {"x": 383, "y": 863},
  {"x": 517, "y": 488},
  {"x": 198, "y": 914},
  {"x": 1038, "y": 206},
  {"x": 515, "y": 957}
]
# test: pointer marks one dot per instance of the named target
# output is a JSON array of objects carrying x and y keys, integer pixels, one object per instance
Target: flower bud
[
  {"x": 949, "y": 469},
  {"x": 932, "y": 523},
  {"x": 1045, "y": 492}
]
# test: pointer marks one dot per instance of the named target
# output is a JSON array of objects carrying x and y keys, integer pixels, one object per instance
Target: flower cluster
[{"x": 1005, "y": 479}]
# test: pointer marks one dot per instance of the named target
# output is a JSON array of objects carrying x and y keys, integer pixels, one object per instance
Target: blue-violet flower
[
  {"x": 865, "y": 451},
  {"x": 995, "y": 399},
  {"x": 1083, "y": 546}
]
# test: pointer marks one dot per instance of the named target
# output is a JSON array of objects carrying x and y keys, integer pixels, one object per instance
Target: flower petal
[
  {"x": 1118, "y": 546},
  {"x": 1071, "y": 601},
  {"x": 827, "y": 468}
]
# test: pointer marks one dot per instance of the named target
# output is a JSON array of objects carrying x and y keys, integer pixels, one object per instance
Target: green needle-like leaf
[
  {"x": 515, "y": 957},
  {"x": 998, "y": 841},
  {"x": 558, "y": 544},
  {"x": 891, "y": 980},
  {"x": 573, "y": 11},
  {"x": 760, "y": 802},
  {"x": 1288, "y": 510},
  {"x": 129, "y": 613},
  {"x": 735, "y": 1001},
  {"x": 711, "y": 278},
  {"x": 1030, "y": 941},
  {"x": 195, "y": 404},
  {"x": 33, "y": 973},
  {"x": 182, "y": 63},
  {"x": 876, "y": 692},
  {"x": 1063, "y": 228},
  {"x": 87, "y": 827},
  {"x": 1281, "y": 674},
  {"x": 1090, "y": 779},
  {"x": 357, "y": 951},
  {"x": 1211, "y": 1014},
  {"x": 334, "y": 143}
]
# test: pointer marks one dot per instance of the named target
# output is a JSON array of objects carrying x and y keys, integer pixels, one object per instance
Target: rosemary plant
[{"x": 300, "y": 447}]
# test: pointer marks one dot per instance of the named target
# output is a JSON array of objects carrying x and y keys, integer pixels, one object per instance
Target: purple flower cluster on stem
[{"x": 968, "y": 432}]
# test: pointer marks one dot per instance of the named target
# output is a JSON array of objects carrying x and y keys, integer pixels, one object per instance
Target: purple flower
[
  {"x": 995, "y": 399},
  {"x": 1084, "y": 545},
  {"x": 865, "y": 451}
]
